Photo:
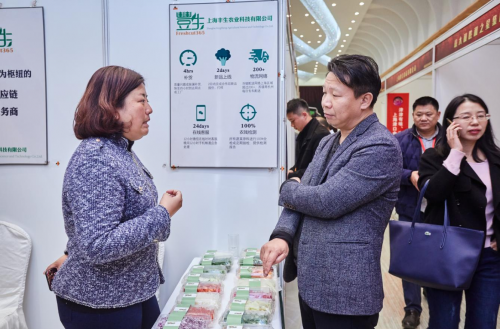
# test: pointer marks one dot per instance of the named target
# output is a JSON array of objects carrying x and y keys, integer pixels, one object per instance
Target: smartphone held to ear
[{"x": 49, "y": 275}]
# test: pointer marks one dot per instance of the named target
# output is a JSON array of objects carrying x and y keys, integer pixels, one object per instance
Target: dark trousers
[
  {"x": 312, "y": 319},
  {"x": 482, "y": 299},
  {"x": 138, "y": 316},
  {"x": 412, "y": 292}
]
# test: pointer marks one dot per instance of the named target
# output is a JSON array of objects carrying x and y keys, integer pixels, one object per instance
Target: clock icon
[
  {"x": 188, "y": 58},
  {"x": 248, "y": 112}
]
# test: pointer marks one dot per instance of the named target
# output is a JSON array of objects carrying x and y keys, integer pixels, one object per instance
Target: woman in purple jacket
[{"x": 111, "y": 211}]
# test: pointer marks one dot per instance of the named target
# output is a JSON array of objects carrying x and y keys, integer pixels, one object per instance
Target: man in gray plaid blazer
[{"x": 333, "y": 224}]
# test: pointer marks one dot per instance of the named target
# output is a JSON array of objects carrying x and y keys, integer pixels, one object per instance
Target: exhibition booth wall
[{"x": 81, "y": 37}]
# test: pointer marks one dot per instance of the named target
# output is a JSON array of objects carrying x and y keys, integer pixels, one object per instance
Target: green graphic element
[
  {"x": 189, "y": 21},
  {"x": 248, "y": 112},
  {"x": 4, "y": 42},
  {"x": 188, "y": 58},
  {"x": 259, "y": 55},
  {"x": 223, "y": 55},
  {"x": 201, "y": 113}
]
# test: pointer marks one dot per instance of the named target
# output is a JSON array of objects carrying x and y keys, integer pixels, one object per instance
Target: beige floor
[{"x": 392, "y": 313}]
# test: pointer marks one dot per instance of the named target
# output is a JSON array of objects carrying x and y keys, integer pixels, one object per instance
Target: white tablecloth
[{"x": 229, "y": 284}]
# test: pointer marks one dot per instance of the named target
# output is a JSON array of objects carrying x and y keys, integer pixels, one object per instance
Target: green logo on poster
[
  {"x": 259, "y": 55},
  {"x": 4, "y": 42},
  {"x": 189, "y": 21},
  {"x": 248, "y": 112}
]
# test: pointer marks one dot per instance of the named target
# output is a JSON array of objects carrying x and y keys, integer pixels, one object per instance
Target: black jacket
[
  {"x": 466, "y": 193},
  {"x": 412, "y": 151},
  {"x": 306, "y": 145}
]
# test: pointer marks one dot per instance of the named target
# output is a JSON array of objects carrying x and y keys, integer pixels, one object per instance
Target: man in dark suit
[
  {"x": 334, "y": 218},
  {"x": 311, "y": 133},
  {"x": 413, "y": 142}
]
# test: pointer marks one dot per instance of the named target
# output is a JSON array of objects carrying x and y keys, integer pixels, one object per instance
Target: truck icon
[{"x": 259, "y": 55}]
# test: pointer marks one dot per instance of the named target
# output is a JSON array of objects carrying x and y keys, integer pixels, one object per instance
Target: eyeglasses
[{"x": 469, "y": 118}]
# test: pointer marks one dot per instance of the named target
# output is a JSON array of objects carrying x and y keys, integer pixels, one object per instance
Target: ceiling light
[
  {"x": 340, "y": 51},
  {"x": 353, "y": 21},
  {"x": 307, "y": 15},
  {"x": 313, "y": 22},
  {"x": 301, "y": 35},
  {"x": 317, "y": 29},
  {"x": 347, "y": 35},
  {"x": 316, "y": 62},
  {"x": 361, "y": 3},
  {"x": 342, "y": 46},
  {"x": 320, "y": 35},
  {"x": 344, "y": 40},
  {"x": 337, "y": 55},
  {"x": 295, "y": 30},
  {"x": 350, "y": 28},
  {"x": 356, "y": 13},
  {"x": 319, "y": 41},
  {"x": 334, "y": 4},
  {"x": 308, "y": 41},
  {"x": 287, "y": 15}
]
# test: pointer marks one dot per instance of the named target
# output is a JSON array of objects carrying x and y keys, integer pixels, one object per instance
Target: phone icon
[{"x": 201, "y": 113}]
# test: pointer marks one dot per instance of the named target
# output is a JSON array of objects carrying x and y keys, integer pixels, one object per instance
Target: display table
[{"x": 229, "y": 284}]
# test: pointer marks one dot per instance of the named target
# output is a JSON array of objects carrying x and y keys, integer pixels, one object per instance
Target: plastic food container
[
  {"x": 209, "y": 269},
  {"x": 204, "y": 277},
  {"x": 254, "y": 272},
  {"x": 251, "y": 260},
  {"x": 195, "y": 287},
  {"x": 208, "y": 300},
  {"x": 257, "y": 284},
  {"x": 253, "y": 293},
  {"x": 217, "y": 258}
]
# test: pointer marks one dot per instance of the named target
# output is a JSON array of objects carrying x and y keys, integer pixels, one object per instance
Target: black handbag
[{"x": 442, "y": 257}]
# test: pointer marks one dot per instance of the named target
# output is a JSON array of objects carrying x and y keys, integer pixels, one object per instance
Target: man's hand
[
  {"x": 272, "y": 253},
  {"x": 493, "y": 245},
  {"x": 414, "y": 179},
  {"x": 288, "y": 173},
  {"x": 57, "y": 264}
]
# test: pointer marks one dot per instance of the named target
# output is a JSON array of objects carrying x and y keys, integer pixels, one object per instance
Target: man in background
[
  {"x": 413, "y": 142},
  {"x": 310, "y": 134}
]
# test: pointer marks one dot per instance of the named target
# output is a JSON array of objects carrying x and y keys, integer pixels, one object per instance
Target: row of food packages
[{"x": 251, "y": 302}]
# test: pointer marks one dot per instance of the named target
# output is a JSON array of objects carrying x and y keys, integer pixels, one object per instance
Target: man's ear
[{"x": 366, "y": 100}]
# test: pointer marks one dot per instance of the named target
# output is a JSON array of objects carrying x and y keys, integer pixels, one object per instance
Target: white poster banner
[
  {"x": 224, "y": 84},
  {"x": 23, "y": 109}
]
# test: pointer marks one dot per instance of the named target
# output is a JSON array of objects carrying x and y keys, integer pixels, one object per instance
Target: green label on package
[
  {"x": 242, "y": 292},
  {"x": 193, "y": 278},
  {"x": 177, "y": 314},
  {"x": 207, "y": 260},
  {"x": 191, "y": 287},
  {"x": 211, "y": 251},
  {"x": 234, "y": 327},
  {"x": 198, "y": 269},
  {"x": 238, "y": 305},
  {"x": 187, "y": 300},
  {"x": 234, "y": 317},
  {"x": 245, "y": 272},
  {"x": 254, "y": 283},
  {"x": 172, "y": 325},
  {"x": 248, "y": 260}
]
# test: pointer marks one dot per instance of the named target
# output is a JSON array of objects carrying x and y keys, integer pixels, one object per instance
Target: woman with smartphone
[
  {"x": 111, "y": 211},
  {"x": 465, "y": 171}
]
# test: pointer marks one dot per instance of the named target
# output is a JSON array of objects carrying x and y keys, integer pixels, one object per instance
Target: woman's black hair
[{"x": 486, "y": 143}]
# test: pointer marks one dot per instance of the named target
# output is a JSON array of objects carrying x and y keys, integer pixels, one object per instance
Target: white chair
[
  {"x": 161, "y": 256},
  {"x": 15, "y": 252}
]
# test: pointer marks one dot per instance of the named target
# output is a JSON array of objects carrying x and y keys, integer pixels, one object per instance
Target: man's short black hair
[
  {"x": 297, "y": 106},
  {"x": 426, "y": 100},
  {"x": 358, "y": 72}
]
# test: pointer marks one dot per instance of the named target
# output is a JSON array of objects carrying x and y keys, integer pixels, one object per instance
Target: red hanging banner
[
  {"x": 411, "y": 69},
  {"x": 398, "y": 105},
  {"x": 481, "y": 27}
]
